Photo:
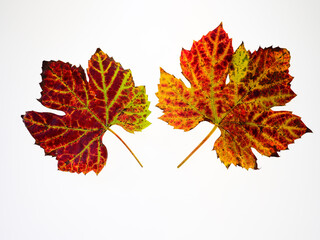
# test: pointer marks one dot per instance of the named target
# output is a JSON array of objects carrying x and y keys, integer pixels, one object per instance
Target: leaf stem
[
  {"x": 126, "y": 146},
  {"x": 197, "y": 147}
]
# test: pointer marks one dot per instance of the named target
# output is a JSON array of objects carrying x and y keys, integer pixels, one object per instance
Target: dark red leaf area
[
  {"x": 77, "y": 149},
  {"x": 75, "y": 139},
  {"x": 64, "y": 87}
]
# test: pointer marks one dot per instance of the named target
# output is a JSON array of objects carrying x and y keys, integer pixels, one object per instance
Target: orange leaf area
[
  {"x": 241, "y": 109},
  {"x": 91, "y": 108}
]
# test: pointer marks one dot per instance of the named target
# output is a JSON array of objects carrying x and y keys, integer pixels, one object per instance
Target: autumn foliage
[
  {"x": 241, "y": 109},
  {"x": 91, "y": 108}
]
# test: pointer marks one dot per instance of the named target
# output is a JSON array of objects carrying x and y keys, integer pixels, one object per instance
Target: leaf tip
[
  {"x": 309, "y": 130},
  {"x": 274, "y": 154},
  {"x": 45, "y": 66},
  {"x": 101, "y": 53}
]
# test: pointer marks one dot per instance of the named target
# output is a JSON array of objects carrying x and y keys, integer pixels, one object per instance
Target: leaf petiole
[
  {"x": 126, "y": 146},
  {"x": 197, "y": 147}
]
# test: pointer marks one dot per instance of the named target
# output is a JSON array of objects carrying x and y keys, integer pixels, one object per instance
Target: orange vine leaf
[
  {"x": 241, "y": 109},
  {"x": 91, "y": 108}
]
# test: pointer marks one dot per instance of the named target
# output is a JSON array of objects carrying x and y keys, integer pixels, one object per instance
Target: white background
[{"x": 201, "y": 200}]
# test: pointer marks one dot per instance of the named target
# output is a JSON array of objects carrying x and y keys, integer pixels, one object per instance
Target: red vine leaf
[
  {"x": 241, "y": 109},
  {"x": 91, "y": 108}
]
